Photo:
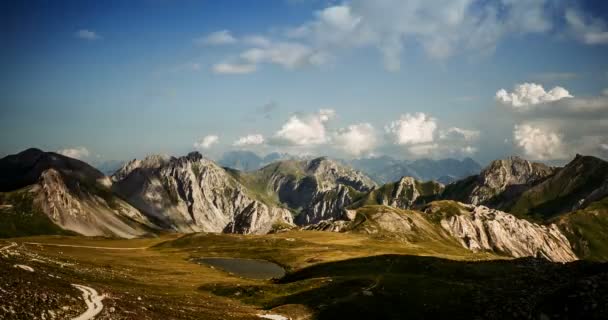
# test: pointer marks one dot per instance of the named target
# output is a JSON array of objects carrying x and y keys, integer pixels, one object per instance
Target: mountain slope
[
  {"x": 587, "y": 230},
  {"x": 581, "y": 182},
  {"x": 73, "y": 195},
  {"x": 403, "y": 194},
  {"x": 191, "y": 194},
  {"x": 316, "y": 189},
  {"x": 499, "y": 184},
  {"x": 449, "y": 223}
]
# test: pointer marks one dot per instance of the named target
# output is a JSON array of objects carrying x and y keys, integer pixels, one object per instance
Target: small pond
[{"x": 247, "y": 268}]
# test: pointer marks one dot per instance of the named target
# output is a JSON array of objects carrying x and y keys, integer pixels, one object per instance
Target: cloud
[
  {"x": 222, "y": 37},
  {"x": 589, "y": 30},
  {"x": 289, "y": 55},
  {"x": 412, "y": 129},
  {"x": 87, "y": 35},
  {"x": 229, "y": 68},
  {"x": 76, "y": 153},
  {"x": 532, "y": 101},
  {"x": 257, "y": 41},
  {"x": 530, "y": 94},
  {"x": 455, "y": 133},
  {"x": 356, "y": 139},
  {"x": 207, "y": 142},
  {"x": 249, "y": 140},
  {"x": 441, "y": 28},
  {"x": 307, "y": 130},
  {"x": 538, "y": 143}
]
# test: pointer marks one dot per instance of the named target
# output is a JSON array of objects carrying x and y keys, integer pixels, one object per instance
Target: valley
[{"x": 184, "y": 238}]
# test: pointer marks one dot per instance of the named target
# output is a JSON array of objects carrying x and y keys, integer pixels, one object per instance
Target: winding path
[
  {"x": 13, "y": 244},
  {"x": 87, "y": 247},
  {"x": 93, "y": 301}
]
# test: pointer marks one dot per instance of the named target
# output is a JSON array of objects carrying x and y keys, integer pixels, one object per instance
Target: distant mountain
[
  {"x": 386, "y": 169},
  {"x": 248, "y": 161},
  {"x": 315, "y": 190},
  {"x": 45, "y": 192},
  {"x": 499, "y": 184}
]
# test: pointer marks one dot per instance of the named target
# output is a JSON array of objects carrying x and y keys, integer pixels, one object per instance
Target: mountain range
[{"x": 512, "y": 207}]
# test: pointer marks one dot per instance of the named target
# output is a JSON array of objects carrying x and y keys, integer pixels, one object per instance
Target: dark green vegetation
[{"x": 19, "y": 216}]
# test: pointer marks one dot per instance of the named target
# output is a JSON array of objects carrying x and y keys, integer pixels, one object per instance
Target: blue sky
[{"x": 104, "y": 80}]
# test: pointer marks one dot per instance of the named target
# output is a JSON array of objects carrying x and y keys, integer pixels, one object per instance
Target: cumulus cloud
[
  {"x": 87, "y": 35},
  {"x": 222, "y": 37},
  {"x": 304, "y": 130},
  {"x": 530, "y": 94},
  {"x": 356, "y": 139},
  {"x": 207, "y": 142},
  {"x": 589, "y": 30},
  {"x": 538, "y": 143},
  {"x": 231, "y": 68},
  {"x": 76, "y": 153},
  {"x": 249, "y": 140},
  {"x": 412, "y": 129}
]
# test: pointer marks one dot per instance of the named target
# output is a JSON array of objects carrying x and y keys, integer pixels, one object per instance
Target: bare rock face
[
  {"x": 149, "y": 162},
  {"x": 479, "y": 228},
  {"x": 74, "y": 206},
  {"x": 326, "y": 205},
  {"x": 328, "y": 225},
  {"x": 499, "y": 183},
  {"x": 319, "y": 189},
  {"x": 192, "y": 193}
]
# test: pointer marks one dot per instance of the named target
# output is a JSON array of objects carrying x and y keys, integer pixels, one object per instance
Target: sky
[{"x": 486, "y": 79}]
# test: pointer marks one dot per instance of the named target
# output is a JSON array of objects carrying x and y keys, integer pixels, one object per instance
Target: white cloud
[
  {"x": 249, "y": 140},
  {"x": 230, "y": 68},
  {"x": 87, "y": 35},
  {"x": 257, "y": 41},
  {"x": 207, "y": 142},
  {"x": 76, "y": 153},
  {"x": 222, "y": 37},
  {"x": 305, "y": 130},
  {"x": 590, "y": 31},
  {"x": 289, "y": 55},
  {"x": 530, "y": 94},
  {"x": 538, "y": 143},
  {"x": 455, "y": 133},
  {"x": 412, "y": 129},
  {"x": 356, "y": 139}
]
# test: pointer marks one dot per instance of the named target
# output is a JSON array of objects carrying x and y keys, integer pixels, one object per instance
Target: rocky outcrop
[
  {"x": 149, "y": 162},
  {"x": 318, "y": 189},
  {"x": 581, "y": 182},
  {"x": 404, "y": 194},
  {"x": 499, "y": 183},
  {"x": 479, "y": 228},
  {"x": 90, "y": 210},
  {"x": 192, "y": 193},
  {"x": 326, "y": 205}
]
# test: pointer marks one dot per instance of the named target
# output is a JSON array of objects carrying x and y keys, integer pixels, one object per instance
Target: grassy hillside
[
  {"x": 19, "y": 216},
  {"x": 562, "y": 191},
  {"x": 587, "y": 230}
]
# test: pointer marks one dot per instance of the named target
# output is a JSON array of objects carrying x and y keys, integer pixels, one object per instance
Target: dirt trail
[
  {"x": 13, "y": 244},
  {"x": 87, "y": 247},
  {"x": 93, "y": 301}
]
